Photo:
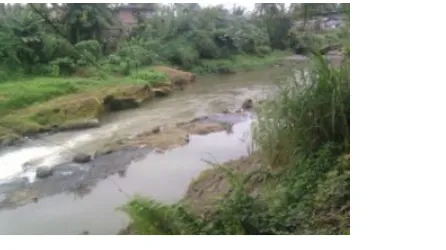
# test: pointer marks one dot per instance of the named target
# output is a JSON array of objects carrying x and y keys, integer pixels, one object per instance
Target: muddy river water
[{"x": 164, "y": 177}]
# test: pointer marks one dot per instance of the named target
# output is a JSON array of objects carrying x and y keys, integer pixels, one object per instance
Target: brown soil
[
  {"x": 177, "y": 77},
  {"x": 162, "y": 89},
  {"x": 214, "y": 184}
]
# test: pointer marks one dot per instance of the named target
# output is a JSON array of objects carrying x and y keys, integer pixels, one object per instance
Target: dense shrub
[
  {"x": 205, "y": 45},
  {"x": 91, "y": 47},
  {"x": 63, "y": 66},
  {"x": 56, "y": 46},
  {"x": 136, "y": 55}
]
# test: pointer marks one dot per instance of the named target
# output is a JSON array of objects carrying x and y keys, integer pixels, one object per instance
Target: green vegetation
[
  {"x": 66, "y": 39},
  {"x": 23, "y": 93},
  {"x": 59, "y": 62},
  {"x": 304, "y": 184}
]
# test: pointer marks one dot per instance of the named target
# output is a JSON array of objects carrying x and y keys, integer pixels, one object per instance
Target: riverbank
[
  {"x": 298, "y": 182},
  {"x": 47, "y": 104}
]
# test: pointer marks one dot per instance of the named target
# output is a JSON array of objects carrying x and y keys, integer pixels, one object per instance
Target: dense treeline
[{"x": 58, "y": 39}]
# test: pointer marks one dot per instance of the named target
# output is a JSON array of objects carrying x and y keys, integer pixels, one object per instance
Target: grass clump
[
  {"x": 151, "y": 77},
  {"x": 310, "y": 111},
  {"x": 304, "y": 135}
]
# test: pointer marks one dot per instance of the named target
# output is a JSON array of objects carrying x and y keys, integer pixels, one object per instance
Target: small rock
[
  {"x": 156, "y": 130},
  {"x": 247, "y": 104},
  {"x": 88, "y": 123},
  {"x": 85, "y": 232},
  {"x": 226, "y": 111},
  {"x": 82, "y": 158},
  {"x": 43, "y": 172}
]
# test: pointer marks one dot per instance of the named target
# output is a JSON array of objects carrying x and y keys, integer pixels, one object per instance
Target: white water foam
[{"x": 11, "y": 163}]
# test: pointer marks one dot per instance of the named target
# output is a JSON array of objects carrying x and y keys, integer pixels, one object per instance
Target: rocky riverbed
[{"x": 79, "y": 178}]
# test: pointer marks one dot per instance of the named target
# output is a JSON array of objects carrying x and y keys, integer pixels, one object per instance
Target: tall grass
[
  {"x": 305, "y": 132},
  {"x": 312, "y": 110}
]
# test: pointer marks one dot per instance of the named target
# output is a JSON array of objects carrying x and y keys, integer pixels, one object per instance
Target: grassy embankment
[
  {"x": 297, "y": 183},
  {"x": 30, "y": 105}
]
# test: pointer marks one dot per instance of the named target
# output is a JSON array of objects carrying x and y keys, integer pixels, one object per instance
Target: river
[{"x": 164, "y": 177}]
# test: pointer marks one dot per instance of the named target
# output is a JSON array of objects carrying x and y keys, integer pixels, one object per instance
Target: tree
[
  {"x": 277, "y": 22},
  {"x": 85, "y": 21}
]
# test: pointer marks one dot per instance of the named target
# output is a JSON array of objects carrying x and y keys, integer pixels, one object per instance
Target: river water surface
[{"x": 164, "y": 177}]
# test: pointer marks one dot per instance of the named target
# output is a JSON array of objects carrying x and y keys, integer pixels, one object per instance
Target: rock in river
[
  {"x": 82, "y": 158},
  {"x": 43, "y": 172},
  {"x": 247, "y": 104}
]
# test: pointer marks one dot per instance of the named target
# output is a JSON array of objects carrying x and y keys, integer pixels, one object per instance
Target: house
[{"x": 128, "y": 14}]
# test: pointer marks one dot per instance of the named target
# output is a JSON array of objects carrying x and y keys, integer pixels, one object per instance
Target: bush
[
  {"x": 136, "y": 55},
  {"x": 114, "y": 59},
  {"x": 184, "y": 56},
  {"x": 205, "y": 45},
  {"x": 63, "y": 66},
  {"x": 90, "y": 47},
  {"x": 55, "y": 46},
  {"x": 264, "y": 50},
  {"x": 124, "y": 68}
]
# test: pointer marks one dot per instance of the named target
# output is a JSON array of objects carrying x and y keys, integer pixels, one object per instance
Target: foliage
[
  {"x": 91, "y": 47},
  {"x": 61, "y": 38},
  {"x": 304, "y": 132}
]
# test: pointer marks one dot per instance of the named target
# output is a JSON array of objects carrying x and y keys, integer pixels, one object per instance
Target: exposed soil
[
  {"x": 177, "y": 76},
  {"x": 214, "y": 184}
]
